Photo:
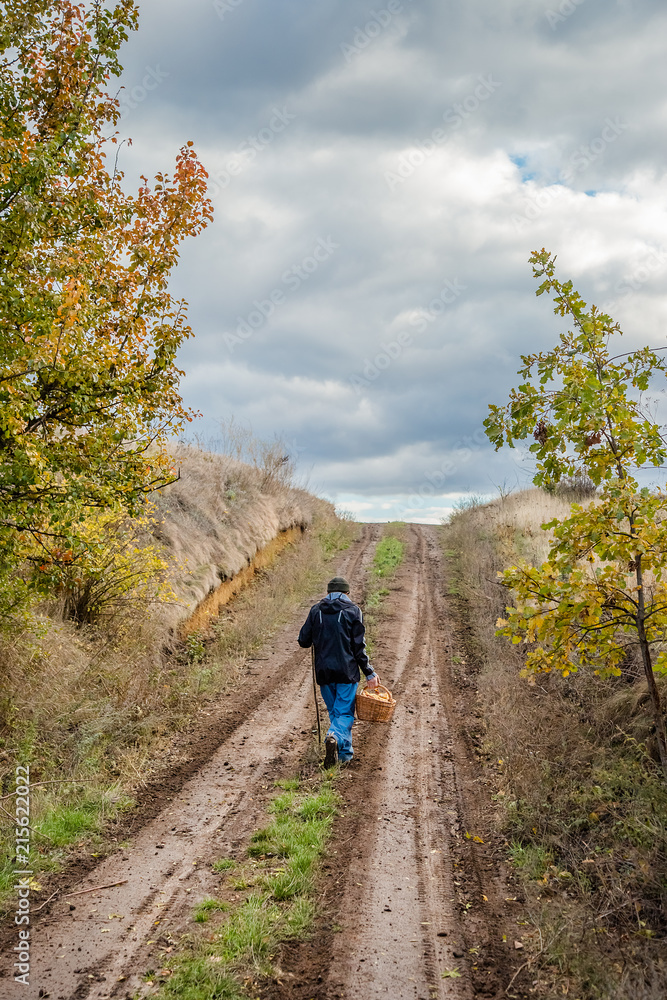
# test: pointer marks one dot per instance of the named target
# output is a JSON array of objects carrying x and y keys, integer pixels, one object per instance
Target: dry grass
[
  {"x": 220, "y": 513},
  {"x": 584, "y": 806},
  {"x": 94, "y": 707},
  {"x": 209, "y": 608}
]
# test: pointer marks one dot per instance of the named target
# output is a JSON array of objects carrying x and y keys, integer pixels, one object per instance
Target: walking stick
[{"x": 317, "y": 707}]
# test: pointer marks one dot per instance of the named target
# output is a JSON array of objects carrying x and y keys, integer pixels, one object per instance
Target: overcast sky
[{"x": 380, "y": 174}]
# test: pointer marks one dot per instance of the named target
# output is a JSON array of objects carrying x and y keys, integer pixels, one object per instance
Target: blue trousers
[{"x": 339, "y": 699}]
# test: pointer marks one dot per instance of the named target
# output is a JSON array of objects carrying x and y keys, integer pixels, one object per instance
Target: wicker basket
[{"x": 374, "y": 709}]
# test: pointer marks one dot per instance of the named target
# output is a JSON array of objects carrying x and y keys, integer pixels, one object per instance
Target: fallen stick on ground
[
  {"x": 96, "y": 888},
  {"x": 46, "y": 901}
]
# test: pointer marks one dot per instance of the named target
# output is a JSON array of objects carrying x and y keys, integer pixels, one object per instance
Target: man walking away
[{"x": 335, "y": 628}]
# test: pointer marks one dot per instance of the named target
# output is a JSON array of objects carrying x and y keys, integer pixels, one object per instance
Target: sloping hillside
[{"x": 219, "y": 514}]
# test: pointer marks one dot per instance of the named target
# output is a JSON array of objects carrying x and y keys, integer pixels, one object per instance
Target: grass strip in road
[
  {"x": 389, "y": 554},
  {"x": 241, "y": 939}
]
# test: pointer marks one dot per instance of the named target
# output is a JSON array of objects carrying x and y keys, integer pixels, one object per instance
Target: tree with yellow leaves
[{"x": 602, "y": 589}]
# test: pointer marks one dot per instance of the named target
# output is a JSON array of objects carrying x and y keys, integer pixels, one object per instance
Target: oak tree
[{"x": 602, "y": 589}]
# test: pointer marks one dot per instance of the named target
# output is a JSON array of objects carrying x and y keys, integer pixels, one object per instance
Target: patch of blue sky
[{"x": 526, "y": 173}]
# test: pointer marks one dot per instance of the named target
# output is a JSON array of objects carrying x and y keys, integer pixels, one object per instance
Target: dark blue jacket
[{"x": 336, "y": 629}]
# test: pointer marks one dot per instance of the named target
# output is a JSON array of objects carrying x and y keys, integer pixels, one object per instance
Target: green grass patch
[
  {"x": 389, "y": 554},
  {"x": 337, "y": 537},
  {"x": 532, "y": 859},
  {"x": 375, "y": 598},
  {"x": 207, "y": 907},
  {"x": 67, "y": 823},
  {"x": 202, "y": 977},
  {"x": 289, "y": 784},
  {"x": 283, "y": 861},
  {"x": 224, "y": 865},
  {"x": 298, "y": 832},
  {"x": 57, "y": 823}
]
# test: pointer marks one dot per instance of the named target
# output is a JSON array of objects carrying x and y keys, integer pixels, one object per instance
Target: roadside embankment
[
  {"x": 218, "y": 519},
  {"x": 581, "y": 799}
]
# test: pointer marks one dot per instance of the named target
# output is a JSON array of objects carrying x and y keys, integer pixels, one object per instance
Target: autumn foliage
[
  {"x": 602, "y": 591},
  {"x": 89, "y": 386}
]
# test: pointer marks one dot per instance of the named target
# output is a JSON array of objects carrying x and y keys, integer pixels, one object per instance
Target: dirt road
[
  {"x": 418, "y": 903},
  {"x": 415, "y": 902}
]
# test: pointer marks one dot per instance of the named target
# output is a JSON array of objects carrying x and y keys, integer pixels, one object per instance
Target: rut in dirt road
[{"x": 98, "y": 945}]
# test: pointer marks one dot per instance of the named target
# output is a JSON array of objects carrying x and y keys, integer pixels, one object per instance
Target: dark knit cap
[{"x": 338, "y": 584}]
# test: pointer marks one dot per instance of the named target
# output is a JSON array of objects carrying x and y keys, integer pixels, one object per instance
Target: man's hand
[{"x": 372, "y": 682}]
